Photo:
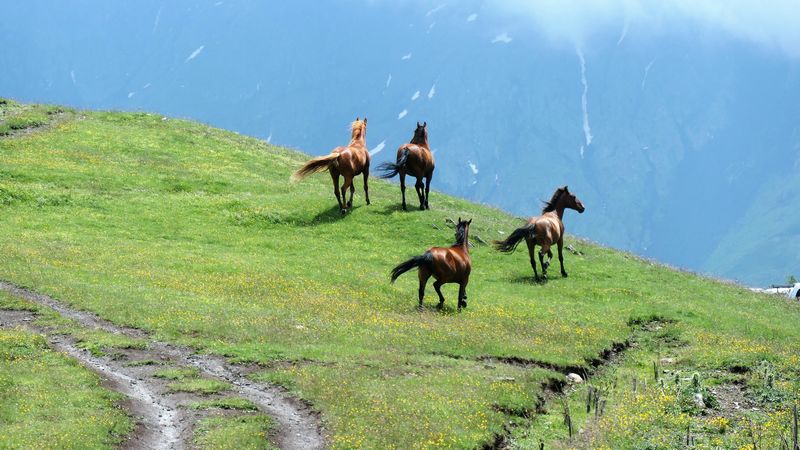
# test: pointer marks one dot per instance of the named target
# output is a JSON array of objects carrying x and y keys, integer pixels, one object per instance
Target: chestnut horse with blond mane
[
  {"x": 447, "y": 265},
  {"x": 544, "y": 230},
  {"x": 415, "y": 159},
  {"x": 348, "y": 162}
]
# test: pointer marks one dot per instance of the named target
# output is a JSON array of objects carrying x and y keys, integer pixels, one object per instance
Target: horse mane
[
  {"x": 551, "y": 205},
  {"x": 355, "y": 127},
  {"x": 460, "y": 233},
  {"x": 422, "y": 140}
]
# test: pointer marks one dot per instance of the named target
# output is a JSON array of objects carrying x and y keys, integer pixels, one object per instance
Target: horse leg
[
  {"x": 462, "y": 295},
  {"x": 335, "y": 176},
  {"x": 353, "y": 190},
  {"x": 438, "y": 286},
  {"x": 532, "y": 254},
  {"x": 423, "y": 280},
  {"x": 545, "y": 264},
  {"x": 366, "y": 184},
  {"x": 403, "y": 188},
  {"x": 348, "y": 182},
  {"x": 420, "y": 192},
  {"x": 428, "y": 190},
  {"x": 561, "y": 256}
]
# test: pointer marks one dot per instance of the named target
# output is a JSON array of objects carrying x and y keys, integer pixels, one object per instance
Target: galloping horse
[
  {"x": 346, "y": 161},
  {"x": 446, "y": 265},
  {"x": 416, "y": 159},
  {"x": 544, "y": 230}
]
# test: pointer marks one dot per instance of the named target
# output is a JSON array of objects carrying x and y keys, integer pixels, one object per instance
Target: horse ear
[
  {"x": 459, "y": 219},
  {"x": 365, "y": 120},
  {"x": 469, "y": 221},
  {"x": 566, "y": 189},
  {"x": 418, "y": 125},
  {"x": 424, "y": 124}
]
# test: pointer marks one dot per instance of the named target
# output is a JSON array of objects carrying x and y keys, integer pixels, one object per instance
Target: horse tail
[
  {"x": 510, "y": 244},
  {"x": 319, "y": 164},
  {"x": 424, "y": 260},
  {"x": 388, "y": 170}
]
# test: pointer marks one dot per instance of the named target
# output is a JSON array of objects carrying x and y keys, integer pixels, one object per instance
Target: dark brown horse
[
  {"x": 415, "y": 159},
  {"x": 347, "y": 161},
  {"x": 544, "y": 230},
  {"x": 446, "y": 265}
]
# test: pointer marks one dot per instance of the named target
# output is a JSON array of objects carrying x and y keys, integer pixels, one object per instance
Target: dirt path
[{"x": 163, "y": 421}]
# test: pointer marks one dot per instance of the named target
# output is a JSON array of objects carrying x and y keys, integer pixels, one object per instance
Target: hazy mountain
[{"x": 683, "y": 144}]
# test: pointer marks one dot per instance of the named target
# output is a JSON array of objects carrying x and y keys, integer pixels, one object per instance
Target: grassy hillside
[
  {"x": 195, "y": 235},
  {"x": 48, "y": 401}
]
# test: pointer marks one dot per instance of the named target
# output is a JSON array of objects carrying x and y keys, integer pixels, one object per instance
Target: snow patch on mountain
[
  {"x": 195, "y": 53},
  {"x": 646, "y": 71},
  {"x": 377, "y": 148},
  {"x": 502, "y": 37},
  {"x": 587, "y": 130}
]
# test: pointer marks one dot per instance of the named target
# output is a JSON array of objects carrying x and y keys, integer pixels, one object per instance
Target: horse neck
[
  {"x": 465, "y": 243},
  {"x": 358, "y": 141},
  {"x": 422, "y": 142},
  {"x": 558, "y": 212}
]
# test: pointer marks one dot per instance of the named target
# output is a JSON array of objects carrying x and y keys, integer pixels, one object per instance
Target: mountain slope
[
  {"x": 195, "y": 235},
  {"x": 649, "y": 124}
]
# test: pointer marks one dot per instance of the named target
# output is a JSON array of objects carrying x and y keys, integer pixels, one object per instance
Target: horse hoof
[
  {"x": 564, "y": 274},
  {"x": 404, "y": 207},
  {"x": 343, "y": 211},
  {"x": 462, "y": 304}
]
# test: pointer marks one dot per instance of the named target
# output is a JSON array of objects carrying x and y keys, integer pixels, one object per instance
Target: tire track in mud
[{"x": 164, "y": 424}]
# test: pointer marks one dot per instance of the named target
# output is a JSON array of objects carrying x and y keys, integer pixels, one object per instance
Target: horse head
[
  {"x": 421, "y": 134},
  {"x": 572, "y": 202},
  {"x": 358, "y": 129},
  {"x": 462, "y": 230}
]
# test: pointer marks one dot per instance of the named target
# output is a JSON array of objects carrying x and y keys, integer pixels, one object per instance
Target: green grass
[
  {"x": 238, "y": 432},
  {"x": 195, "y": 235},
  {"x": 96, "y": 341},
  {"x": 47, "y": 400},
  {"x": 198, "y": 386},
  {"x": 177, "y": 373},
  {"x": 231, "y": 403}
]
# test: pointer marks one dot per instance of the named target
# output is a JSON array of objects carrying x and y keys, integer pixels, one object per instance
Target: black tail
[
  {"x": 516, "y": 237},
  {"x": 424, "y": 260},
  {"x": 388, "y": 170}
]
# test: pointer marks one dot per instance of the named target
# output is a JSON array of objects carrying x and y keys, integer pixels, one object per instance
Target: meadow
[{"x": 195, "y": 235}]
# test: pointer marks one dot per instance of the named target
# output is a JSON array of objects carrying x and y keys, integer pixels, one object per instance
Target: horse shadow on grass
[
  {"x": 530, "y": 280},
  {"x": 329, "y": 215},
  {"x": 445, "y": 310},
  {"x": 393, "y": 208}
]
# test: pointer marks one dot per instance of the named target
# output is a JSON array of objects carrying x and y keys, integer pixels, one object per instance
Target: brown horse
[
  {"x": 347, "y": 161},
  {"x": 544, "y": 230},
  {"x": 446, "y": 265},
  {"x": 415, "y": 159}
]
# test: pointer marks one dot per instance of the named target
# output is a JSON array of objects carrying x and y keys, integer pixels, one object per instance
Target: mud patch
[{"x": 164, "y": 421}]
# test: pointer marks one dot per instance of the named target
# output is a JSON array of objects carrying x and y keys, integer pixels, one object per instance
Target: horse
[
  {"x": 415, "y": 159},
  {"x": 544, "y": 230},
  {"x": 348, "y": 162},
  {"x": 446, "y": 265}
]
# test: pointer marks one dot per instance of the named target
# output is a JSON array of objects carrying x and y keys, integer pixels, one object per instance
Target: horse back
[
  {"x": 352, "y": 160},
  {"x": 420, "y": 159},
  {"x": 450, "y": 265},
  {"x": 548, "y": 228}
]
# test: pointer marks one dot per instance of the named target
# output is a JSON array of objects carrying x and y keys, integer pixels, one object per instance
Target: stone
[{"x": 574, "y": 378}]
